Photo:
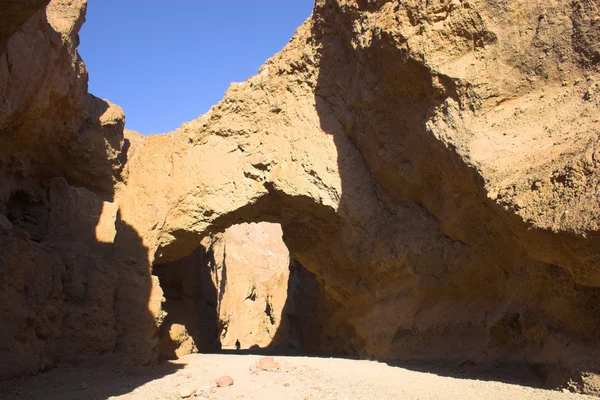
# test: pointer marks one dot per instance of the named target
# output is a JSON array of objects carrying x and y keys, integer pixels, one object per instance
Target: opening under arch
[{"x": 240, "y": 290}]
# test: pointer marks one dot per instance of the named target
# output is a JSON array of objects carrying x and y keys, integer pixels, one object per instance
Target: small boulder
[
  {"x": 268, "y": 364},
  {"x": 225, "y": 381}
]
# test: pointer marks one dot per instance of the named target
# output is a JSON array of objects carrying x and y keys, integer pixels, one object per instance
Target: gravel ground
[{"x": 194, "y": 377}]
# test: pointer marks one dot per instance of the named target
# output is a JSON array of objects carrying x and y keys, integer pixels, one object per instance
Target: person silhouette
[{"x": 237, "y": 344}]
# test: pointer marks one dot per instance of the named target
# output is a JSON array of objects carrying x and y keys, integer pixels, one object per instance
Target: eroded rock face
[
  {"x": 434, "y": 164},
  {"x": 61, "y": 156},
  {"x": 251, "y": 264},
  {"x": 49, "y": 124}
]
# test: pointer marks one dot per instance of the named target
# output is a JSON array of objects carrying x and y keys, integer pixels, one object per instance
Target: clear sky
[{"x": 167, "y": 61}]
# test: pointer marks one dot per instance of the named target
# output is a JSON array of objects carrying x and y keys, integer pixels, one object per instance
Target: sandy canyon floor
[{"x": 194, "y": 376}]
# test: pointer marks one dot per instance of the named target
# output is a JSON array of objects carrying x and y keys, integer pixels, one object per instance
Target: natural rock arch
[
  {"x": 435, "y": 164},
  {"x": 336, "y": 141}
]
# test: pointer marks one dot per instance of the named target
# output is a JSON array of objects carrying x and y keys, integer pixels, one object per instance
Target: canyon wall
[
  {"x": 434, "y": 164},
  {"x": 58, "y": 163}
]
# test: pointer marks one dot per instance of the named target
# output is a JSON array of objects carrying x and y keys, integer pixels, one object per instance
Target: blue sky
[{"x": 168, "y": 61}]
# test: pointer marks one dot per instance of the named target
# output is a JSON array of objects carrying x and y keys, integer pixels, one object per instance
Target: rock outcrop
[{"x": 434, "y": 164}]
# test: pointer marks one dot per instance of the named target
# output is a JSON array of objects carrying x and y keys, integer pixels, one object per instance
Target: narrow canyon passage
[
  {"x": 434, "y": 167},
  {"x": 239, "y": 290}
]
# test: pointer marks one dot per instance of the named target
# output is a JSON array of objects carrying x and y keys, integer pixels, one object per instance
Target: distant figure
[{"x": 237, "y": 345}]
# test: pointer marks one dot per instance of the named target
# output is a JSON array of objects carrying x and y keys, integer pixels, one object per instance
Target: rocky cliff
[
  {"x": 434, "y": 164},
  {"x": 58, "y": 166}
]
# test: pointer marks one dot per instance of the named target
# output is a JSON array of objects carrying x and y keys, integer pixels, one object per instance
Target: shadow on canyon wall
[
  {"x": 456, "y": 284},
  {"x": 191, "y": 300},
  {"x": 436, "y": 276},
  {"x": 14, "y": 15},
  {"x": 417, "y": 267},
  {"x": 74, "y": 282},
  {"x": 430, "y": 273}
]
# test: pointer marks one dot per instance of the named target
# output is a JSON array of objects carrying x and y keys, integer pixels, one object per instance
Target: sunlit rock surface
[{"x": 434, "y": 164}]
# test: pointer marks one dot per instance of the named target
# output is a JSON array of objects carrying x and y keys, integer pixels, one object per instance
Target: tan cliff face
[{"x": 433, "y": 164}]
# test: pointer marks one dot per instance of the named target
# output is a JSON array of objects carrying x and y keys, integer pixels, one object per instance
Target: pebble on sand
[
  {"x": 253, "y": 369},
  {"x": 225, "y": 381},
  {"x": 187, "y": 391}
]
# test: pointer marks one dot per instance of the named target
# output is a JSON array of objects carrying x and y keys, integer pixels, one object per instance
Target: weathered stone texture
[{"x": 434, "y": 164}]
